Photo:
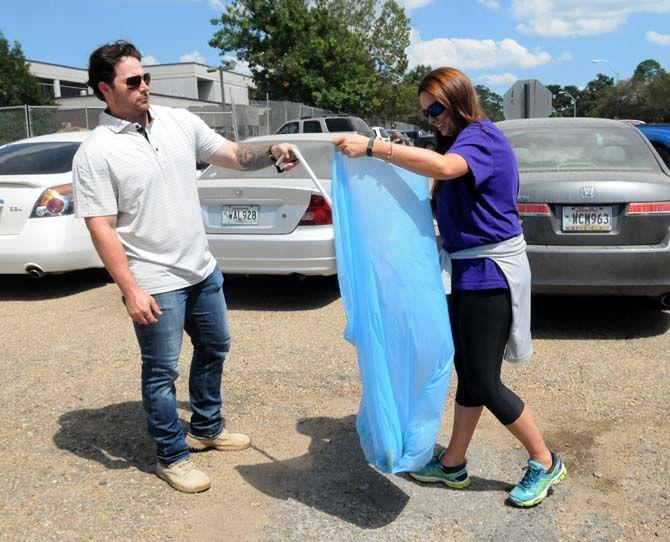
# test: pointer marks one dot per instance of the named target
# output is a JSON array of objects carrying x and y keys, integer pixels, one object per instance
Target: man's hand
[
  {"x": 252, "y": 156},
  {"x": 142, "y": 307},
  {"x": 353, "y": 146},
  {"x": 285, "y": 150}
]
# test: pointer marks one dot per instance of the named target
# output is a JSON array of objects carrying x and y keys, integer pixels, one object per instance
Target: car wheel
[
  {"x": 430, "y": 147},
  {"x": 662, "y": 301}
]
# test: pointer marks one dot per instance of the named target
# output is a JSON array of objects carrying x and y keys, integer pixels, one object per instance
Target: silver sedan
[
  {"x": 595, "y": 207},
  {"x": 264, "y": 222}
]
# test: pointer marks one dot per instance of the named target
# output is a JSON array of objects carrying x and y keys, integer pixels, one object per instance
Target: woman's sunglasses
[
  {"x": 136, "y": 80},
  {"x": 434, "y": 110}
]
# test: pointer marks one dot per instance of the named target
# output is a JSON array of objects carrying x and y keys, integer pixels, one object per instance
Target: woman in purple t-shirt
[{"x": 475, "y": 191}]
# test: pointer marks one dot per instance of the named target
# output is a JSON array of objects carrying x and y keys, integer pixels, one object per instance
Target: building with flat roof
[{"x": 188, "y": 82}]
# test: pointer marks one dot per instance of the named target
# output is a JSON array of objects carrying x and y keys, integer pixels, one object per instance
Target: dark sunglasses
[
  {"x": 434, "y": 110},
  {"x": 136, "y": 80}
]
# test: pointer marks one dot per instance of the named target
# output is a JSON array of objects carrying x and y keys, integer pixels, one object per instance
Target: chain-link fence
[{"x": 233, "y": 121}]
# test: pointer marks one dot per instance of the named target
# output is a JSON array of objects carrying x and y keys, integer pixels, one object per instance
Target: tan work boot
[
  {"x": 184, "y": 476},
  {"x": 224, "y": 441}
]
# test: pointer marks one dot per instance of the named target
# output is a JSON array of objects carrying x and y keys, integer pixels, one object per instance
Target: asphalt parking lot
[{"x": 78, "y": 465}]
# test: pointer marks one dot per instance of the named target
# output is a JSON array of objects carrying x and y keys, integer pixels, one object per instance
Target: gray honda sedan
[{"x": 594, "y": 202}]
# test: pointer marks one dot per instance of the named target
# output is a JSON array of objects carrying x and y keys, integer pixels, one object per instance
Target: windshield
[
  {"x": 37, "y": 158},
  {"x": 318, "y": 154},
  {"x": 580, "y": 148}
]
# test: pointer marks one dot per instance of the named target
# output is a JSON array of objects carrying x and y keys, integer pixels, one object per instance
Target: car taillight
[
  {"x": 533, "y": 209},
  {"x": 318, "y": 213},
  {"x": 650, "y": 208},
  {"x": 54, "y": 201}
]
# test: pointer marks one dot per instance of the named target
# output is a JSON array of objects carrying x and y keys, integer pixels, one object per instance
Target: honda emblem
[{"x": 588, "y": 192}]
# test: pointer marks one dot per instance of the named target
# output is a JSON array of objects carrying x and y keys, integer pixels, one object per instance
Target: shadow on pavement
[
  {"x": 279, "y": 292},
  {"x": 25, "y": 288},
  {"x": 597, "y": 318},
  {"x": 115, "y": 436},
  {"x": 332, "y": 476}
]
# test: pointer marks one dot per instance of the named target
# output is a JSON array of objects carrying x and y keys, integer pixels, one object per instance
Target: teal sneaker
[
  {"x": 533, "y": 487},
  {"x": 434, "y": 471}
]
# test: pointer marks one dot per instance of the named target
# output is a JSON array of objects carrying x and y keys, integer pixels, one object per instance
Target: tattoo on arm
[{"x": 251, "y": 157}]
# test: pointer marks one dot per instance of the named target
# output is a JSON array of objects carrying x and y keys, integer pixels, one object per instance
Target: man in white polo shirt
[{"x": 135, "y": 186}]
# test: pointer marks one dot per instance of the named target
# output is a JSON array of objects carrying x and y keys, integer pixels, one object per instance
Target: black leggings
[{"x": 480, "y": 322}]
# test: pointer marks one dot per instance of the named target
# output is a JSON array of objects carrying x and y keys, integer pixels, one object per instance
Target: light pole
[
  {"x": 574, "y": 101},
  {"x": 227, "y": 66},
  {"x": 603, "y": 61},
  {"x": 616, "y": 83}
]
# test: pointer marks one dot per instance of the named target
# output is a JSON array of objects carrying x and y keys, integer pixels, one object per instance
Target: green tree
[
  {"x": 491, "y": 102},
  {"x": 647, "y": 69},
  {"x": 592, "y": 94},
  {"x": 562, "y": 102},
  {"x": 408, "y": 109},
  {"x": 17, "y": 85},
  {"x": 639, "y": 98},
  {"x": 336, "y": 54}
]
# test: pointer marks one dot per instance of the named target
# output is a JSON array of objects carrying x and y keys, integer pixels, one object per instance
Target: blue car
[{"x": 659, "y": 136}]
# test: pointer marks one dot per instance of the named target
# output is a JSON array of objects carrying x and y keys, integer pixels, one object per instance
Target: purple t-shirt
[{"x": 479, "y": 208}]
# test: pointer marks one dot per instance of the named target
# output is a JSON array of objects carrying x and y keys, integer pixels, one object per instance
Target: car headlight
[{"x": 54, "y": 201}]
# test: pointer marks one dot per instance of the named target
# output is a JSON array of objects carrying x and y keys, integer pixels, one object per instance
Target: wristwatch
[{"x": 371, "y": 143}]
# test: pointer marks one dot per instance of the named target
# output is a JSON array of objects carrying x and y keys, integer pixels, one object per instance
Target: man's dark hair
[{"x": 103, "y": 61}]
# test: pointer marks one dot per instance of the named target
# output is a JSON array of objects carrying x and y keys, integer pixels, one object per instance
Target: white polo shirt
[{"x": 150, "y": 186}]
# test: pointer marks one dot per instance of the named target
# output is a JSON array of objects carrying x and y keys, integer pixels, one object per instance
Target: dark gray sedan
[{"x": 595, "y": 207}]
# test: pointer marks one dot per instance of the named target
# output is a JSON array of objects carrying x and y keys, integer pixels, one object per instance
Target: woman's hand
[{"x": 353, "y": 146}]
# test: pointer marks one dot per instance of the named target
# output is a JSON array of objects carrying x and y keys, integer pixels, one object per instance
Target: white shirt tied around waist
[{"x": 510, "y": 256}]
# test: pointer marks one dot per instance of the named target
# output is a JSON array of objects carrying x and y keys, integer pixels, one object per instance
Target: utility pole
[
  {"x": 574, "y": 101},
  {"x": 227, "y": 66}
]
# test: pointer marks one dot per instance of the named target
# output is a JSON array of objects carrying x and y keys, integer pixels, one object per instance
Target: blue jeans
[{"x": 200, "y": 310}]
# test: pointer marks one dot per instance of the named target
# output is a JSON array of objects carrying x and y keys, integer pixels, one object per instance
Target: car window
[
  {"x": 290, "y": 128},
  {"x": 339, "y": 124},
  {"x": 361, "y": 126},
  {"x": 311, "y": 127},
  {"x": 385, "y": 134},
  {"x": 37, "y": 158},
  {"x": 319, "y": 156},
  {"x": 580, "y": 148}
]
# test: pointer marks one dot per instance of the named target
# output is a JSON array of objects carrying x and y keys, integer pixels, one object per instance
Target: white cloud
[
  {"x": 193, "y": 56},
  {"x": 218, "y": 5},
  {"x": 658, "y": 39},
  {"x": 565, "y": 57},
  {"x": 472, "y": 54},
  {"x": 411, "y": 5},
  {"x": 491, "y": 4},
  {"x": 241, "y": 66},
  {"x": 149, "y": 59},
  {"x": 560, "y": 18},
  {"x": 498, "y": 79}
]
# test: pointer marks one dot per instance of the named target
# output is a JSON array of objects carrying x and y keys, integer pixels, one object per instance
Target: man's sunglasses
[
  {"x": 434, "y": 110},
  {"x": 136, "y": 80}
]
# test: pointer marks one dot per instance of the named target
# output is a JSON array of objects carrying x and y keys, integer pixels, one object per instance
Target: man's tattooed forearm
[{"x": 252, "y": 157}]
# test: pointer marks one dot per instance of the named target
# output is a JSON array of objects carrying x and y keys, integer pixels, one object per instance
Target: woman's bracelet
[{"x": 389, "y": 154}]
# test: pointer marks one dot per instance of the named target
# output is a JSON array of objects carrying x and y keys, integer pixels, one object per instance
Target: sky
[{"x": 495, "y": 42}]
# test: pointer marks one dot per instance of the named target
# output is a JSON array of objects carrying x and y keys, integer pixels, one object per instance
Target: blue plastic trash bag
[{"x": 397, "y": 316}]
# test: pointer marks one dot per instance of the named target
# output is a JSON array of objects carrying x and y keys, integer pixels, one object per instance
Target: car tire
[
  {"x": 662, "y": 302},
  {"x": 430, "y": 147}
]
